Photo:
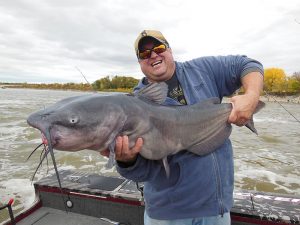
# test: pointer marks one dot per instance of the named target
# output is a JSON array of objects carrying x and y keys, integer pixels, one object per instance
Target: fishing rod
[{"x": 92, "y": 87}]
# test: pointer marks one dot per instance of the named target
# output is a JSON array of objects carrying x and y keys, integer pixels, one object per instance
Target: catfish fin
[
  {"x": 166, "y": 166},
  {"x": 250, "y": 123},
  {"x": 155, "y": 92},
  {"x": 111, "y": 160},
  {"x": 250, "y": 126},
  {"x": 259, "y": 106}
]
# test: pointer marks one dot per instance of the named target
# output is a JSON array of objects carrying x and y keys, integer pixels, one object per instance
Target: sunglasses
[{"x": 146, "y": 54}]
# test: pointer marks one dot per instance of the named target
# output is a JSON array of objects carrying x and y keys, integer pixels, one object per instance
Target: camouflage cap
[{"x": 157, "y": 35}]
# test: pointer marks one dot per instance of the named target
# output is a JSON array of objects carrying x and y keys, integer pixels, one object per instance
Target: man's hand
[
  {"x": 123, "y": 152},
  {"x": 244, "y": 105},
  {"x": 243, "y": 108}
]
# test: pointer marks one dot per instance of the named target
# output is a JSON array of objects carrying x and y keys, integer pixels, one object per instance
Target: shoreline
[
  {"x": 295, "y": 99},
  {"x": 121, "y": 90},
  {"x": 286, "y": 99}
]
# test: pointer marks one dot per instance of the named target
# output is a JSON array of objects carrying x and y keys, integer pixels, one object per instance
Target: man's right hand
[{"x": 122, "y": 151}]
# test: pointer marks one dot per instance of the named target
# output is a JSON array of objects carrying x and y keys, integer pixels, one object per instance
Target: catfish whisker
[
  {"x": 43, "y": 153},
  {"x": 50, "y": 150},
  {"x": 47, "y": 150},
  {"x": 41, "y": 161},
  {"x": 34, "y": 151}
]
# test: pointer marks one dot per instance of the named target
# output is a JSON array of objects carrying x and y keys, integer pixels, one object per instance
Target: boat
[{"x": 93, "y": 199}]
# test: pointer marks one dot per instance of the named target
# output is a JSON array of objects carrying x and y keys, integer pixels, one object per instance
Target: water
[{"x": 268, "y": 162}]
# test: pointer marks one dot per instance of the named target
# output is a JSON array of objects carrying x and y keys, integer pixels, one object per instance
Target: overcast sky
[{"x": 44, "y": 40}]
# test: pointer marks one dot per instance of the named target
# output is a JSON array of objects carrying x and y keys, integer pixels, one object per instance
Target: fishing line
[{"x": 282, "y": 106}]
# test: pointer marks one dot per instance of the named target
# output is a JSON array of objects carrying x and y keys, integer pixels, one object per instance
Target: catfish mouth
[
  {"x": 57, "y": 137},
  {"x": 35, "y": 121},
  {"x": 53, "y": 141},
  {"x": 67, "y": 139}
]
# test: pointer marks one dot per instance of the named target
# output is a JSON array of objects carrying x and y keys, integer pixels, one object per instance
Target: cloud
[{"x": 43, "y": 40}]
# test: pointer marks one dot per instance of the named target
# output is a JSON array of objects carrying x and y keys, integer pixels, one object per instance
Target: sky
[{"x": 44, "y": 41}]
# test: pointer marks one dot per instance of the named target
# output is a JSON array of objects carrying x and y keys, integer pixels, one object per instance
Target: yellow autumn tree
[
  {"x": 293, "y": 85},
  {"x": 275, "y": 80}
]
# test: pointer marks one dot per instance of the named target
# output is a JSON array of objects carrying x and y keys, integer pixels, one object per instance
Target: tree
[
  {"x": 105, "y": 83},
  {"x": 296, "y": 75},
  {"x": 293, "y": 84},
  {"x": 96, "y": 85},
  {"x": 275, "y": 80},
  {"x": 117, "y": 82}
]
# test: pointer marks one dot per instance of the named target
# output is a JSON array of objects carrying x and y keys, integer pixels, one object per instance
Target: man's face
[{"x": 159, "y": 67}]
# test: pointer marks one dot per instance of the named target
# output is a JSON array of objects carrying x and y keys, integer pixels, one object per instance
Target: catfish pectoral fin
[{"x": 166, "y": 166}]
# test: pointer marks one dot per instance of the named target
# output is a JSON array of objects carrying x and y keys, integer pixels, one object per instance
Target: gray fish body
[
  {"x": 166, "y": 130},
  {"x": 94, "y": 121}
]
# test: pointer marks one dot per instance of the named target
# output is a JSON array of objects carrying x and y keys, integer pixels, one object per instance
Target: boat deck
[
  {"x": 90, "y": 198},
  {"x": 50, "y": 216}
]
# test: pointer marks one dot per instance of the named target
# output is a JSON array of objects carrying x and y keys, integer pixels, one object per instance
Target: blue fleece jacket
[{"x": 198, "y": 185}]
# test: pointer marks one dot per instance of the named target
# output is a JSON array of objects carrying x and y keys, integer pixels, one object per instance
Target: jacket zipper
[{"x": 218, "y": 182}]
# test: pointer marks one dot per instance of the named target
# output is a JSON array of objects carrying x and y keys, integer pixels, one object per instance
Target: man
[{"x": 200, "y": 188}]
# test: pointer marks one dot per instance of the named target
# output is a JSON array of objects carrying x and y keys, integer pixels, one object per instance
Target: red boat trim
[{"x": 92, "y": 196}]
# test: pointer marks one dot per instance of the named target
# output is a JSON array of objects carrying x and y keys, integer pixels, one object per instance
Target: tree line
[
  {"x": 117, "y": 83},
  {"x": 278, "y": 83},
  {"x": 56, "y": 86},
  {"x": 275, "y": 82}
]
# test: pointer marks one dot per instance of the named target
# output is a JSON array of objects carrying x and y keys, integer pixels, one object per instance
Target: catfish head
[{"x": 82, "y": 122}]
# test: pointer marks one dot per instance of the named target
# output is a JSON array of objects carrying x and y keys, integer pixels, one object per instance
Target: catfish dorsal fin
[{"x": 155, "y": 92}]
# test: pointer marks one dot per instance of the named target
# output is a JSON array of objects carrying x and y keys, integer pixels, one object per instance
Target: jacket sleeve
[
  {"x": 227, "y": 71},
  {"x": 143, "y": 169}
]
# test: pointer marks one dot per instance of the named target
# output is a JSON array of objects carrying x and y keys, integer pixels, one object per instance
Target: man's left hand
[{"x": 243, "y": 108}]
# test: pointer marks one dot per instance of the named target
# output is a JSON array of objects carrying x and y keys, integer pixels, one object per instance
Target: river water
[{"x": 268, "y": 162}]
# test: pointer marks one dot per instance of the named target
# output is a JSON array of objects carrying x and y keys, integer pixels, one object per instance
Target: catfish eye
[{"x": 74, "y": 120}]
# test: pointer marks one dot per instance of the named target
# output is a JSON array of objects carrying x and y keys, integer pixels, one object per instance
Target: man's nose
[{"x": 153, "y": 54}]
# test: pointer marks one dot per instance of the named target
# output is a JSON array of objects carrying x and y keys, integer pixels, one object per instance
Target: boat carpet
[{"x": 52, "y": 216}]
